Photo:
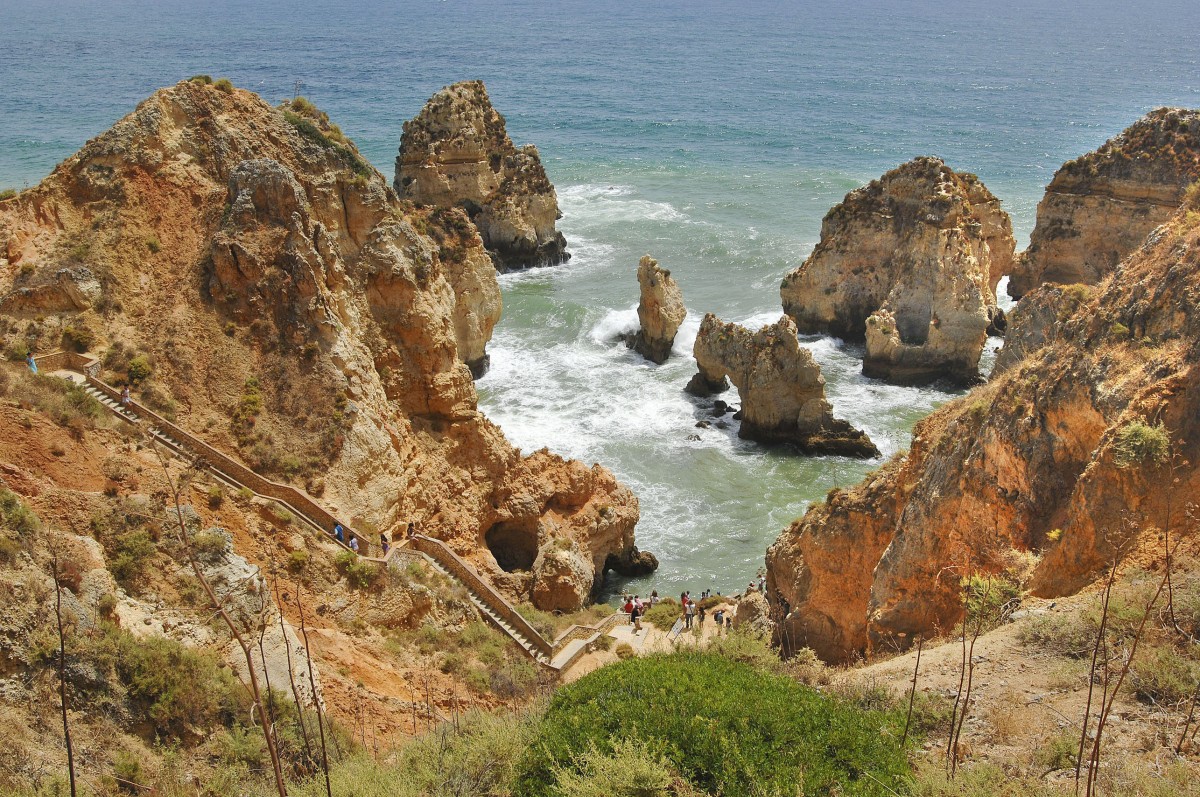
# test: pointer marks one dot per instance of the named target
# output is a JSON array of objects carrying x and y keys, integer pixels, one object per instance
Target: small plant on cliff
[
  {"x": 1139, "y": 443},
  {"x": 1119, "y": 332},
  {"x": 224, "y": 85},
  {"x": 360, "y": 574},
  {"x": 203, "y": 80},
  {"x": 140, "y": 369},
  {"x": 7, "y": 193}
]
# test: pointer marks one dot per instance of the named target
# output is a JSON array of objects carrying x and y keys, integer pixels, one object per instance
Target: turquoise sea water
[{"x": 713, "y": 135}]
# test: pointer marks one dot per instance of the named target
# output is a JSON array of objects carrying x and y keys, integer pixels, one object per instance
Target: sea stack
[
  {"x": 457, "y": 153},
  {"x": 780, "y": 385},
  {"x": 660, "y": 311},
  {"x": 909, "y": 265},
  {"x": 1100, "y": 207}
]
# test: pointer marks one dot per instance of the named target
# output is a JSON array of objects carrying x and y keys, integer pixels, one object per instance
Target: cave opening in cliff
[{"x": 513, "y": 545}]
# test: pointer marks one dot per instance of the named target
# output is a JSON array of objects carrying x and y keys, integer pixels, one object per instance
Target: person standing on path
[
  {"x": 354, "y": 543},
  {"x": 383, "y": 543},
  {"x": 689, "y": 614},
  {"x": 32, "y": 363},
  {"x": 339, "y": 534},
  {"x": 125, "y": 397}
]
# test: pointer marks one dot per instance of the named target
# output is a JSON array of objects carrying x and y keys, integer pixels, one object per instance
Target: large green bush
[{"x": 727, "y": 728}]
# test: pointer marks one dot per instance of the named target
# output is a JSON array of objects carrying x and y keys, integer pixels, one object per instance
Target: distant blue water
[{"x": 714, "y": 135}]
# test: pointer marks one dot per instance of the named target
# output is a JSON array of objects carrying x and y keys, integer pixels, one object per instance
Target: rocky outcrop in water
[
  {"x": 302, "y": 317},
  {"x": 909, "y": 264},
  {"x": 1066, "y": 454},
  {"x": 1098, "y": 208},
  {"x": 780, "y": 384},
  {"x": 457, "y": 153},
  {"x": 660, "y": 312}
]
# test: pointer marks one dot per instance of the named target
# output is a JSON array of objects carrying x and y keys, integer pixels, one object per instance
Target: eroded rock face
[
  {"x": 909, "y": 264},
  {"x": 562, "y": 577},
  {"x": 992, "y": 474},
  {"x": 282, "y": 257},
  {"x": 660, "y": 311},
  {"x": 1098, "y": 208},
  {"x": 457, "y": 153},
  {"x": 780, "y": 384}
]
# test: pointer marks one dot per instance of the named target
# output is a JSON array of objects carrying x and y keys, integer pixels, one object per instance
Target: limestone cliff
[
  {"x": 1074, "y": 453},
  {"x": 256, "y": 277},
  {"x": 1098, "y": 208},
  {"x": 457, "y": 153},
  {"x": 660, "y": 311},
  {"x": 909, "y": 263},
  {"x": 781, "y": 387}
]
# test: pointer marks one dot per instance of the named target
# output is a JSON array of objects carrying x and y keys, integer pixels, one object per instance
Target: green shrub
[
  {"x": 78, "y": 338},
  {"x": 297, "y": 560},
  {"x": 1119, "y": 331},
  {"x": 153, "y": 244},
  {"x": 723, "y": 726},
  {"x": 631, "y": 769},
  {"x": 7, "y": 193},
  {"x": 478, "y": 760},
  {"x": 241, "y": 746},
  {"x": 1161, "y": 675},
  {"x": 139, "y": 369},
  {"x": 203, "y": 80},
  {"x": 216, "y": 496},
  {"x": 224, "y": 84},
  {"x": 16, "y": 516},
  {"x": 544, "y": 623},
  {"x": 1058, "y": 752},
  {"x": 176, "y": 689},
  {"x": 127, "y": 771},
  {"x": 1138, "y": 443},
  {"x": 131, "y": 556},
  {"x": 515, "y": 679},
  {"x": 625, "y": 651},
  {"x": 209, "y": 544},
  {"x": 746, "y": 647},
  {"x": 663, "y": 614},
  {"x": 360, "y": 574}
]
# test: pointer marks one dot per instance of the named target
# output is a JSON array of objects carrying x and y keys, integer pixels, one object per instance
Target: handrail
[
  {"x": 441, "y": 552},
  {"x": 302, "y": 505},
  {"x": 297, "y": 501}
]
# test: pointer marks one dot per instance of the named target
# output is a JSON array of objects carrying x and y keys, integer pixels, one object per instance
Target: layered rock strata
[
  {"x": 909, "y": 265},
  {"x": 780, "y": 385},
  {"x": 1098, "y": 208},
  {"x": 1076, "y": 452},
  {"x": 457, "y": 153},
  {"x": 660, "y": 312},
  {"x": 299, "y": 315}
]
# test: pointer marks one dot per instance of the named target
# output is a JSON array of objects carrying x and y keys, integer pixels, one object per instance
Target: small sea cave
[{"x": 514, "y": 545}]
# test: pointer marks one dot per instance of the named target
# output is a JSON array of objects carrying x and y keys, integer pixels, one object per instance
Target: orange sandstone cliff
[
  {"x": 252, "y": 274},
  {"x": 1082, "y": 447},
  {"x": 1099, "y": 207}
]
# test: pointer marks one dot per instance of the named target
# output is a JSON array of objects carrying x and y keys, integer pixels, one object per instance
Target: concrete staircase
[{"x": 557, "y": 655}]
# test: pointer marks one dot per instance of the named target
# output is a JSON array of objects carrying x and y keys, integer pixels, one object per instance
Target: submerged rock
[
  {"x": 660, "y": 311},
  {"x": 780, "y": 384},
  {"x": 909, "y": 265},
  {"x": 1098, "y": 208},
  {"x": 457, "y": 153}
]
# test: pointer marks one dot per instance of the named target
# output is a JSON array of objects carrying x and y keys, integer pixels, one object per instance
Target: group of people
[
  {"x": 340, "y": 534},
  {"x": 692, "y": 612}
]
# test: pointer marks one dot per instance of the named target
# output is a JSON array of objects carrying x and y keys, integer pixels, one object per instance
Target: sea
[{"x": 712, "y": 135}]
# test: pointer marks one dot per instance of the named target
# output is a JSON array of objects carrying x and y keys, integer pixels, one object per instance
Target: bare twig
[
  {"x": 912, "y": 695},
  {"x": 312, "y": 682},
  {"x": 62, "y": 671},
  {"x": 267, "y": 729}
]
